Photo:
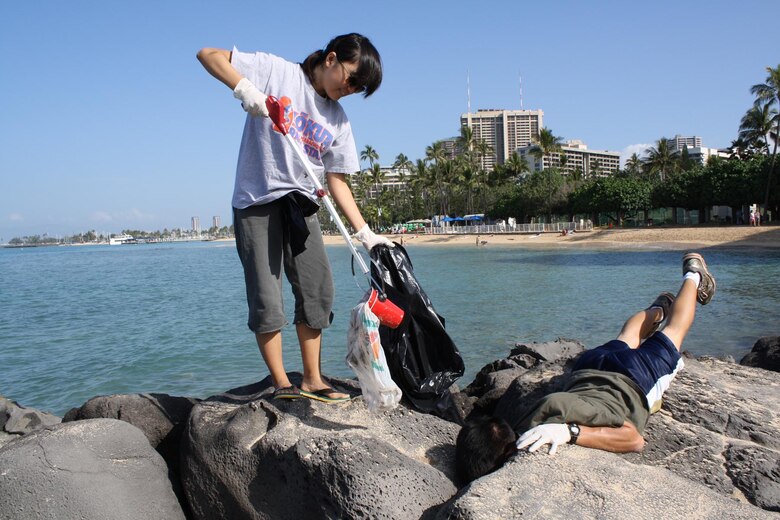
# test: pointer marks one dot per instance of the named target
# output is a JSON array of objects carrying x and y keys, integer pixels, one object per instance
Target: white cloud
[
  {"x": 631, "y": 149},
  {"x": 133, "y": 217},
  {"x": 136, "y": 214},
  {"x": 101, "y": 216},
  {"x": 15, "y": 217}
]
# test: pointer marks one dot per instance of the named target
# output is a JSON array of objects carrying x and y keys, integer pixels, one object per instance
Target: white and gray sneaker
[{"x": 694, "y": 263}]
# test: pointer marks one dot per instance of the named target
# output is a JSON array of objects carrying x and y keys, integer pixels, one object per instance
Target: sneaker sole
[
  {"x": 665, "y": 310},
  {"x": 706, "y": 273}
]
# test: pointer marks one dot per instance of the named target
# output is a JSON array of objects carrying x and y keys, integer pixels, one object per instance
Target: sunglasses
[{"x": 351, "y": 80}]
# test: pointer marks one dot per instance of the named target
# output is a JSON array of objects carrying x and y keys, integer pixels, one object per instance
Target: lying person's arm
[
  {"x": 618, "y": 440},
  {"x": 623, "y": 439}
]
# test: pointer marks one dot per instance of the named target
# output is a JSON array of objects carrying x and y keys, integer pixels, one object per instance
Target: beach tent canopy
[
  {"x": 452, "y": 219},
  {"x": 420, "y": 221},
  {"x": 478, "y": 216}
]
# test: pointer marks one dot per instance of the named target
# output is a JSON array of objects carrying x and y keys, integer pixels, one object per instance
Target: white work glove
[
  {"x": 552, "y": 434},
  {"x": 369, "y": 239},
  {"x": 252, "y": 99}
]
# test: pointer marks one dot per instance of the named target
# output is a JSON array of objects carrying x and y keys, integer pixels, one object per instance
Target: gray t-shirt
[{"x": 267, "y": 166}]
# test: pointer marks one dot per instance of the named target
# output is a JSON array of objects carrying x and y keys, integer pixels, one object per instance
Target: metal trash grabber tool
[{"x": 388, "y": 313}]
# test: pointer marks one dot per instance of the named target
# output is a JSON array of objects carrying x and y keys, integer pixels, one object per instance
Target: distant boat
[{"x": 122, "y": 239}]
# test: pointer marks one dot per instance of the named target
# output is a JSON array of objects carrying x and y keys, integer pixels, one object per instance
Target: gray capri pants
[{"x": 263, "y": 243}]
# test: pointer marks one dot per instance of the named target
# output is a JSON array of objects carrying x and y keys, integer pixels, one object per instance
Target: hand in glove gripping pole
[
  {"x": 369, "y": 239},
  {"x": 552, "y": 434},
  {"x": 252, "y": 100}
]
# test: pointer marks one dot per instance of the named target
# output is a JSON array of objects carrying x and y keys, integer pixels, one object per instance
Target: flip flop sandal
[
  {"x": 288, "y": 392},
  {"x": 325, "y": 395}
]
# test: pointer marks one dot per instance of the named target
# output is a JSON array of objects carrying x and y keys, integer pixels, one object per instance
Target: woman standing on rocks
[{"x": 274, "y": 203}]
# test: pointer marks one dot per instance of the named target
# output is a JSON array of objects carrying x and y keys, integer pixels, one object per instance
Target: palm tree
[
  {"x": 634, "y": 165},
  {"x": 402, "y": 162},
  {"x": 769, "y": 93},
  {"x": 420, "y": 184},
  {"x": 370, "y": 155},
  {"x": 435, "y": 152},
  {"x": 740, "y": 149},
  {"x": 361, "y": 183},
  {"x": 516, "y": 166},
  {"x": 377, "y": 177},
  {"x": 756, "y": 124},
  {"x": 595, "y": 168},
  {"x": 403, "y": 166},
  {"x": 444, "y": 173},
  {"x": 659, "y": 159},
  {"x": 466, "y": 141},
  {"x": 684, "y": 161},
  {"x": 466, "y": 177},
  {"x": 546, "y": 144},
  {"x": 482, "y": 150}
]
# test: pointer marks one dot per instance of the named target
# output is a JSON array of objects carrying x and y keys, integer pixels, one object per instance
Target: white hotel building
[
  {"x": 696, "y": 152},
  {"x": 589, "y": 162},
  {"x": 503, "y": 130}
]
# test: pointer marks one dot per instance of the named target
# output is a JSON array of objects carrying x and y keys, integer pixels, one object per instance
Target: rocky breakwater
[
  {"x": 246, "y": 456},
  {"x": 713, "y": 451}
]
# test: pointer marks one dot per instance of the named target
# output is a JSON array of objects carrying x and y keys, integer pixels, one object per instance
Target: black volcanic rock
[
  {"x": 765, "y": 354},
  {"x": 246, "y": 455},
  {"x": 17, "y": 420},
  {"x": 712, "y": 451}
]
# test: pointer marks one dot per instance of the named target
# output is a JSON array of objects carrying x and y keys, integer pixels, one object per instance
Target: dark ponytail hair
[{"x": 351, "y": 48}]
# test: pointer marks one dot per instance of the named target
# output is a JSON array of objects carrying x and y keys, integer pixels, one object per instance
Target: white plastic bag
[{"x": 367, "y": 359}]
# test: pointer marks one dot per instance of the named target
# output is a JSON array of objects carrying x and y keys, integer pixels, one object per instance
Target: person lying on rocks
[{"x": 611, "y": 391}]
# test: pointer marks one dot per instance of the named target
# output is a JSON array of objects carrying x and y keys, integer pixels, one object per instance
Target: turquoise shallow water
[{"x": 76, "y": 322}]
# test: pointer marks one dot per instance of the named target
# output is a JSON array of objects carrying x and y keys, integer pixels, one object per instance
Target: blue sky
[{"x": 108, "y": 121}]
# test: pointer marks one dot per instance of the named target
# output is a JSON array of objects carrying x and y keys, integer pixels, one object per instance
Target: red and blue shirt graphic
[{"x": 315, "y": 138}]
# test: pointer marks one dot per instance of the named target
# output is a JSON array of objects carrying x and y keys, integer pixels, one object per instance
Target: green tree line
[{"x": 442, "y": 185}]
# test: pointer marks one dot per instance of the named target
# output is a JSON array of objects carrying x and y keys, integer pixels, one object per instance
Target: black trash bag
[{"x": 424, "y": 361}]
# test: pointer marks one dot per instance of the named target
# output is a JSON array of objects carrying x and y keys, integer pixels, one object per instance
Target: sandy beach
[{"x": 654, "y": 237}]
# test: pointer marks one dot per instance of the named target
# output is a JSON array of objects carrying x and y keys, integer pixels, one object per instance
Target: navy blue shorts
[{"x": 652, "y": 366}]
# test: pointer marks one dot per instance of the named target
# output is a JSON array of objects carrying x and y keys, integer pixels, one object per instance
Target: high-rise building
[
  {"x": 577, "y": 158},
  {"x": 450, "y": 147},
  {"x": 702, "y": 154},
  {"x": 503, "y": 130},
  {"x": 678, "y": 142},
  {"x": 396, "y": 179},
  {"x": 216, "y": 221},
  {"x": 196, "y": 224},
  {"x": 696, "y": 152}
]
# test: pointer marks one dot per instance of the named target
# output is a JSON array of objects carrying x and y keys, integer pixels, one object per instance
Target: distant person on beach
[
  {"x": 274, "y": 203},
  {"x": 611, "y": 391},
  {"x": 758, "y": 218},
  {"x": 752, "y": 218}
]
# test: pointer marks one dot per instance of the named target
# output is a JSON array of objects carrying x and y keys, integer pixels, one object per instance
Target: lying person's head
[{"x": 483, "y": 445}]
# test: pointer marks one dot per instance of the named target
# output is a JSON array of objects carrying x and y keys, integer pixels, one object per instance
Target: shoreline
[
  {"x": 765, "y": 237},
  {"x": 662, "y": 237}
]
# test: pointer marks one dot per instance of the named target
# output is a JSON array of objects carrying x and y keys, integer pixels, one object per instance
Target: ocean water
[{"x": 76, "y": 322}]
